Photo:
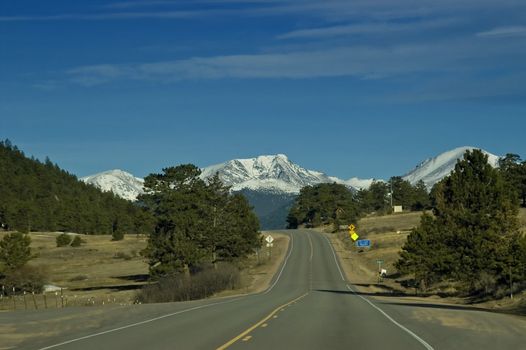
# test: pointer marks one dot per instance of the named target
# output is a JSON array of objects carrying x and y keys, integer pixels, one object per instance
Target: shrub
[
  {"x": 26, "y": 278},
  {"x": 117, "y": 235},
  {"x": 15, "y": 250},
  {"x": 76, "y": 242},
  {"x": 63, "y": 240},
  {"x": 200, "y": 285},
  {"x": 122, "y": 255},
  {"x": 78, "y": 278}
]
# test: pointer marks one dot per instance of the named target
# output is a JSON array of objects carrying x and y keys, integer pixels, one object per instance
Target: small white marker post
[{"x": 269, "y": 240}]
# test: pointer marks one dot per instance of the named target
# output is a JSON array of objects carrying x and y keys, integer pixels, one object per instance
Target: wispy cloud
[
  {"x": 369, "y": 28},
  {"x": 327, "y": 10},
  {"x": 504, "y": 32},
  {"x": 361, "y": 62},
  {"x": 117, "y": 16}
]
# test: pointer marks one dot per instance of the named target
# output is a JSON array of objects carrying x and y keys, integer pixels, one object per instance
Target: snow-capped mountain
[
  {"x": 432, "y": 170},
  {"x": 271, "y": 173},
  {"x": 123, "y": 184}
]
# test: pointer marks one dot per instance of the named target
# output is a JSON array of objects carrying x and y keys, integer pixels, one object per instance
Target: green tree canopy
[
  {"x": 195, "y": 221},
  {"x": 475, "y": 220},
  {"x": 324, "y": 204},
  {"x": 14, "y": 251}
]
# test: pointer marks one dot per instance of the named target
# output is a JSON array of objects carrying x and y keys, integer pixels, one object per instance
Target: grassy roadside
[
  {"x": 105, "y": 272},
  {"x": 387, "y": 235}
]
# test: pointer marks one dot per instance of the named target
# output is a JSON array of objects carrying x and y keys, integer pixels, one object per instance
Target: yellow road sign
[
  {"x": 351, "y": 227},
  {"x": 354, "y": 236}
]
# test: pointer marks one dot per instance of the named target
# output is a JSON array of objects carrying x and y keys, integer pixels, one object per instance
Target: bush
[
  {"x": 77, "y": 241},
  {"x": 26, "y": 278},
  {"x": 78, "y": 278},
  {"x": 15, "y": 250},
  {"x": 63, "y": 240},
  {"x": 122, "y": 255},
  {"x": 198, "y": 286},
  {"x": 117, "y": 235}
]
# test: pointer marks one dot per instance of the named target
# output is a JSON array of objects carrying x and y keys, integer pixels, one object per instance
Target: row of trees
[
  {"x": 196, "y": 221},
  {"x": 332, "y": 203},
  {"x": 377, "y": 198},
  {"x": 473, "y": 236},
  {"x": 39, "y": 196},
  {"x": 323, "y": 204}
]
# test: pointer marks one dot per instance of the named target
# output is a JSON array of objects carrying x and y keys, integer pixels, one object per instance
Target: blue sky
[{"x": 365, "y": 88}]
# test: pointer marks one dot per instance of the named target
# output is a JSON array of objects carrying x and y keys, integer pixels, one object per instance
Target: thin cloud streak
[
  {"x": 118, "y": 16},
  {"x": 370, "y": 28},
  {"x": 359, "y": 62},
  {"x": 504, "y": 32}
]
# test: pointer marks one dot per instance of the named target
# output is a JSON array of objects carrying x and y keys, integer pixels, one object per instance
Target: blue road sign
[{"x": 363, "y": 243}]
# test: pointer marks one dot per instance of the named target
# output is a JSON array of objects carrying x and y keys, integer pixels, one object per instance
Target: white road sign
[{"x": 269, "y": 239}]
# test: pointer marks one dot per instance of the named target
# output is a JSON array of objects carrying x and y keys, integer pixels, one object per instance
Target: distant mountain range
[{"x": 271, "y": 182}]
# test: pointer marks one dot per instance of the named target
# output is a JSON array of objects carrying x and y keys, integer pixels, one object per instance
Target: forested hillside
[{"x": 39, "y": 196}]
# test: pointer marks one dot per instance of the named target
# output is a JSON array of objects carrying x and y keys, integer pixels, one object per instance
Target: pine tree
[
  {"x": 15, "y": 251},
  {"x": 474, "y": 221}
]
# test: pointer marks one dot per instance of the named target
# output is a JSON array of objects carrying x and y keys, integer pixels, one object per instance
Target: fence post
[
  {"x": 34, "y": 300},
  {"x": 45, "y": 299},
  {"x": 25, "y": 300}
]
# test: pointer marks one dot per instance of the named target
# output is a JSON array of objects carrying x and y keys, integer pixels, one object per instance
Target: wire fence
[{"x": 23, "y": 300}]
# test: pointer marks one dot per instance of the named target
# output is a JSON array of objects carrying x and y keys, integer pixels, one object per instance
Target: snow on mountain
[
  {"x": 432, "y": 170},
  {"x": 360, "y": 184},
  {"x": 271, "y": 173},
  {"x": 123, "y": 184}
]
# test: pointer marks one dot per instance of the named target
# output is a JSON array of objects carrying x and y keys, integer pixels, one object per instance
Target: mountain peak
[
  {"x": 274, "y": 173},
  {"x": 120, "y": 182},
  {"x": 434, "y": 169}
]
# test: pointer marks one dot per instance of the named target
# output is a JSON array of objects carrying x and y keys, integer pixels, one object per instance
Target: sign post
[
  {"x": 269, "y": 240},
  {"x": 363, "y": 243},
  {"x": 354, "y": 236}
]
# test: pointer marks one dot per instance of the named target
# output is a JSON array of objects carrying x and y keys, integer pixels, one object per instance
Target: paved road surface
[{"x": 308, "y": 306}]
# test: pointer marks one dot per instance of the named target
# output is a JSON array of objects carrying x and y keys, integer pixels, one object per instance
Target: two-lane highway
[{"x": 309, "y": 305}]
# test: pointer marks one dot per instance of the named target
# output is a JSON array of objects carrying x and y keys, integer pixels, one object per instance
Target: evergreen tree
[
  {"x": 474, "y": 221},
  {"x": 324, "y": 204},
  {"x": 195, "y": 221},
  {"x": 421, "y": 198},
  {"x": 15, "y": 251},
  {"x": 36, "y": 196},
  {"x": 514, "y": 171}
]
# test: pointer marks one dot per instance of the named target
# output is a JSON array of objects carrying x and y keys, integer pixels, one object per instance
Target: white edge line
[
  {"x": 136, "y": 324},
  {"x": 283, "y": 267},
  {"x": 411, "y": 333},
  {"x": 335, "y": 259},
  {"x": 174, "y": 313}
]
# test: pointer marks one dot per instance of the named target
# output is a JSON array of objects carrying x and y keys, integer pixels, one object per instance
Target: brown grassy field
[
  {"x": 105, "y": 272},
  {"x": 388, "y": 234}
]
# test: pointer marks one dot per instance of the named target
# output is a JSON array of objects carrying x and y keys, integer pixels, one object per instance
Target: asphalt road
[{"x": 309, "y": 305}]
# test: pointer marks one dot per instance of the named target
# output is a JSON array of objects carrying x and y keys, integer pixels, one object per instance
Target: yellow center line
[{"x": 246, "y": 332}]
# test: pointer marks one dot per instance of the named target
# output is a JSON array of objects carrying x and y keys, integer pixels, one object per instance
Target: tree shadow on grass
[
  {"x": 117, "y": 288},
  {"x": 408, "y": 304},
  {"x": 134, "y": 278}
]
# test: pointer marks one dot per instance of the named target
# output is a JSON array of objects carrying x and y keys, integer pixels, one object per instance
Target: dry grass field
[
  {"x": 388, "y": 234},
  {"x": 105, "y": 272}
]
